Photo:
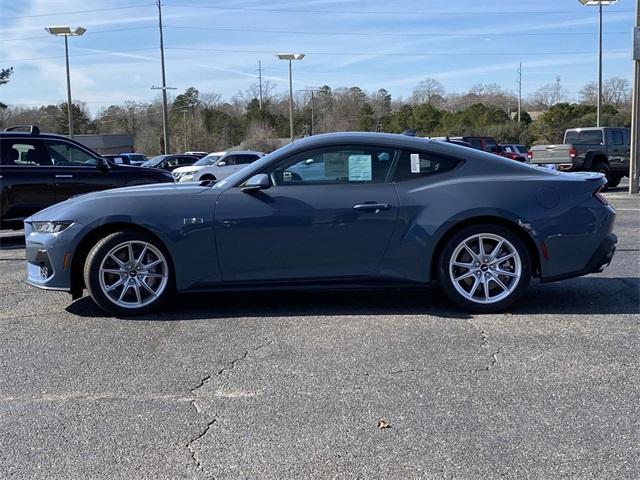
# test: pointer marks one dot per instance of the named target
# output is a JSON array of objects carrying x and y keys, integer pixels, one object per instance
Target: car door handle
[
  {"x": 64, "y": 176},
  {"x": 372, "y": 206}
]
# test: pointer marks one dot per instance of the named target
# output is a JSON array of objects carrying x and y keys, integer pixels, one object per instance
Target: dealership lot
[{"x": 291, "y": 385}]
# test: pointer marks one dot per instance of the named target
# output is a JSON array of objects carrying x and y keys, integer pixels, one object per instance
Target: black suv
[{"x": 38, "y": 170}]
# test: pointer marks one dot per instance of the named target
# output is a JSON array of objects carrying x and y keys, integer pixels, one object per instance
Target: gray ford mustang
[{"x": 336, "y": 210}]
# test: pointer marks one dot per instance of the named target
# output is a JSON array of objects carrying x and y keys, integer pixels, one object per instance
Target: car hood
[
  {"x": 94, "y": 199},
  {"x": 188, "y": 169}
]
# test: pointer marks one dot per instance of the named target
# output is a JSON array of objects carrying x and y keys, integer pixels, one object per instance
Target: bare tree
[
  {"x": 548, "y": 95},
  {"x": 428, "y": 91},
  {"x": 616, "y": 91}
]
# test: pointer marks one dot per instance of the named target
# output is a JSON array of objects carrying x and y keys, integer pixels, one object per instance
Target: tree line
[{"x": 204, "y": 121}]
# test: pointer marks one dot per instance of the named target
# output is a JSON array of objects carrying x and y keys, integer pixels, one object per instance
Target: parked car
[
  {"x": 38, "y": 170},
  {"x": 594, "y": 149},
  {"x": 136, "y": 159},
  {"x": 486, "y": 144},
  {"x": 216, "y": 166},
  {"x": 197, "y": 154},
  {"x": 513, "y": 151},
  {"x": 170, "y": 162},
  {"x": 389, "y": 210}
]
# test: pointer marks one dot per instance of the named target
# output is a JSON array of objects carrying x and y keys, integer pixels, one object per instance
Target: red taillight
[
  {"x": 572, "y": 153},
  {"x": 598, "y": 196},
  {"x": 529, "y": 154}
]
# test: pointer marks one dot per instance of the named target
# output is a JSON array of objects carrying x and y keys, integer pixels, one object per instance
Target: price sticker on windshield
[{"x": 415, "y": 163}]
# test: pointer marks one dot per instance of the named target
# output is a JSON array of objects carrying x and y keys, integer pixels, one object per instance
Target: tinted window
[
  {"x": 616, "y": 137},
  {"x": 476, "y": 143},
  {"x": 522, "y": 149},
  {"x": 243, "y": 159},
  {"x": 229, "y": 160},
  {"x": 584, "y": 137},
  {"x": 23, "y": 152},
  {"x": 186, "y": 160},
  {"x": 335, "y": 165},
  {"x": 490, "y": 146},
  {"x": 420, "y": 164},
  {"x": 66, "y": 154}
]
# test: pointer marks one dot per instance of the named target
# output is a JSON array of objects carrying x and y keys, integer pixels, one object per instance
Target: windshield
[
  {"x": 153, "y": 161},
  {"x": 208, "y": 160}
]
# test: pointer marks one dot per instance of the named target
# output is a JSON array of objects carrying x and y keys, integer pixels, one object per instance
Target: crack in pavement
[
  {"x": 206, "y": 379},
  {"x": 484, "y": 343}
]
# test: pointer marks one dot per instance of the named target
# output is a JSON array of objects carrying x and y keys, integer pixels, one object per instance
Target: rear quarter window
[{"x": 412, "y": 165}]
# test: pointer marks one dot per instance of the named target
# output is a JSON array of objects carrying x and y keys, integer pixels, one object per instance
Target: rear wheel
[
  {"x": 128, "y": 273},
  {"x": 604, "y": 169},
  {"x": 614, "y": 181},
  {"x": 485, "y": 268}
]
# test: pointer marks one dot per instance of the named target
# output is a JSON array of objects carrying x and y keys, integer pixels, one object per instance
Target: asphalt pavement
[{"x": 294, "y": 385}]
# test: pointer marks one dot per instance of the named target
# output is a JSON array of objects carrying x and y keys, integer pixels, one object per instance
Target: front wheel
[
  {"x": 485, "y": 268},
  {"x": 128, "y": 273}
]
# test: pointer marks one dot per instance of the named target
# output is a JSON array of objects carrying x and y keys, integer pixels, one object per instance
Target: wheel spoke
[
  {"x": 116, "y": 259},
  {"x": 112, "y": 270},
  {"x": 464, "y": 275},
  {"x": 463, "y": 265},
  {"x": 499, "y": 282},
  {"x": 124, "y": 291},
  {"x": 130, "y": 252},
  {"x": 152, "y": 275},
  {"x": 470, "y": 251},
  {"x": 499, "y": 271},
  {"x": 151, "y": 265},
  {"x": 141, "y": 257},
  {"x": 502, "y": 259},
  {"x": 115, "y": 285},
  {"x": 136, "y": 289},
  {"x": 474, "y": 287},
  {"x": 147, "y": 287},
  {"x": 481, "y": 251},
  {"x": 485, "y": 283},
  {"x": 496, "y": 250}
]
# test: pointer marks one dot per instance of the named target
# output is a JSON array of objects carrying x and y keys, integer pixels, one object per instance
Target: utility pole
[
  {"x": 519, "y": 92},
  {"x": 635, "y": 107},
  {"x": 165, "y": 113},
  {"x": 599, "y": 115},
  {"x": 260, "y": 81}
]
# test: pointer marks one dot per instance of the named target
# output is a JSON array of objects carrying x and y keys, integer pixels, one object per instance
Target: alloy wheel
[
  {"x": 485, "y": 268},
  {"x": 133, "y": 274}
]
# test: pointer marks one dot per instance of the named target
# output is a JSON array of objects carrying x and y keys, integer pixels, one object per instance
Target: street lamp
[
  {"x": 599, "y": 3},
  {"x": 65, "y": 32},
  {"x": 290, "y": 57}
]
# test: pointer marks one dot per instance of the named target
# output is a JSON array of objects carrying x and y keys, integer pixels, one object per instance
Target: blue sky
[{"x": 393, "y": 44}]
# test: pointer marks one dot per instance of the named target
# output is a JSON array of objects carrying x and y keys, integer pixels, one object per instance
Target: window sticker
[
  {"x": 360, "y": 168},
  {"x": 415, "y": 163}
]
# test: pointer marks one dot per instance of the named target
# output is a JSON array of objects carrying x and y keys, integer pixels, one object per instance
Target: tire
[
  {"x": 604, "y": 168},
  {"x": 614, "y": 181},
  {"x": 506, "y": 278},
  {"x": 122, "y": 285},
  {"x": 207, "y": 178}
]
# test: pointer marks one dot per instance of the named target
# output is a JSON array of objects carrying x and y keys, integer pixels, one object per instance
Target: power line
[
  {"x": 382, "y": 12},
  {"x": 341, "y": 54},
  {"x": 388, "y": 34},
  {"x": 78, "y": 11}
]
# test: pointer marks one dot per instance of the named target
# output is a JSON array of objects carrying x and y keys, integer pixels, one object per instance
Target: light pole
[
  {"x": 290, "y": 57},
  {"x": 65, "y": 31},
  {"x": 635, "y": 108},
  {"x": 312, "y": 102},
  {"x": 599, "y": 3}
]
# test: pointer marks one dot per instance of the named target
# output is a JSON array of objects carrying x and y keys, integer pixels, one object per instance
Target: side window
[
  {"x": 23, "y": 152},
  {"x": 229, "y": 160},
  {"x": 335, "y": 165},
  {"x": 490, "y": 146},
  {"x": 476, "y": 143},
  {"x": 412, "y": 165},
  {"x": 245, "y": 159},
  {"x": 186, "y": 161},
  {"x": 66, "y": 154},
  {"x": 616, "y": 137}
]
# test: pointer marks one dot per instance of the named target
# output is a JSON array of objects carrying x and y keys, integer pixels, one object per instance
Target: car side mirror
[
  {"x": 257, "y": 182},
  {"x": 102, "y": 164},
  {"x": 222, "y": 163}
]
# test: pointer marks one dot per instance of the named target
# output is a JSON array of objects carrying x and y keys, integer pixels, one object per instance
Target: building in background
[{"x": 107, "y": 143}]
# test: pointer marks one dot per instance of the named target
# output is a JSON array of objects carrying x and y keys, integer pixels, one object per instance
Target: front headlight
[{"x": 51, "y": 227}]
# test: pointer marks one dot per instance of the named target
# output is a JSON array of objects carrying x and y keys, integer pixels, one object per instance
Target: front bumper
[{"x": 48, "y": 257}]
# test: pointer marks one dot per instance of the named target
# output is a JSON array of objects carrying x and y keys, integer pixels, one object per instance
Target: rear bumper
[{"x": 600, "y": 260}]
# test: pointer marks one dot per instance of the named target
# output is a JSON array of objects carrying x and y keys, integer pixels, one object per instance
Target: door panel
[
  {"x": 303, "y": 231},
  {"x": 26, "y": 179}
]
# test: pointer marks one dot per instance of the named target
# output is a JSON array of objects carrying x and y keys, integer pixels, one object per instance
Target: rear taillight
[
  {"x": 572, "y": 153},
  {"x": 598, "y": 196},
  {"x": 529, "y": 155}
]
